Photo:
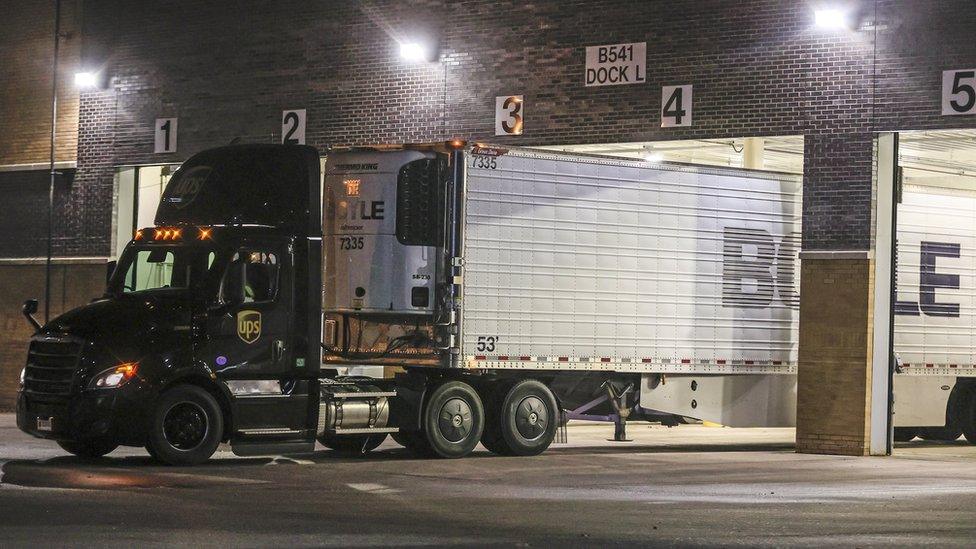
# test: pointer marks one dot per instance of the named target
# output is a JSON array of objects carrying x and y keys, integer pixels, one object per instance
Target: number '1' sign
[
  {"x": 959, "y": 92},
  {"x": 165, "y": 135}
]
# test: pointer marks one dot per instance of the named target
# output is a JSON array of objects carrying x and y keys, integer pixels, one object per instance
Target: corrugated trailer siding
[
  {"x": 938, "y": 334},
  {"x": 570, "y": 257}
]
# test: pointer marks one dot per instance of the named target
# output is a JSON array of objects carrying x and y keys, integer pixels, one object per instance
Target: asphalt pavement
[{"x": 685, "y": 486}]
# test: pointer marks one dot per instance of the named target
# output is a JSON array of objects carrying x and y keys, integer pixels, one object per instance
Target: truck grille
[{"x": 51, "y": 367}]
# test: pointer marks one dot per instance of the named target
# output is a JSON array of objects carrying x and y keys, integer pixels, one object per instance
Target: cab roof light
[
  {"x": 138, "y": 235},
  {"x": 205, "y": 233},
  {"x": 168, "y": 233},
  {"x": 456, "y": 144}
]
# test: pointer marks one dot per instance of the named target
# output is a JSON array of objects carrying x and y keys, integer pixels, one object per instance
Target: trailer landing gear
[{"x": 618, "y": 399}]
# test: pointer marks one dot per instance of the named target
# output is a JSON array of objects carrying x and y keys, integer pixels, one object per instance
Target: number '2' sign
[
  {"x": 958, "y": 92},
  {"x": 293, "y": 127}
]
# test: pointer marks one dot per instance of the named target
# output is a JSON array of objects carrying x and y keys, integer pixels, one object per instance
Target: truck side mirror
[
  {"x": 109, "y": 270},
  {"x": 29, "y": 308}
]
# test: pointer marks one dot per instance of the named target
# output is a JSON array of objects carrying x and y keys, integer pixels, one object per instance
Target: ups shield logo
[
  {"x": 185, "y": 187},
  {"x": 249, "y": 326}
]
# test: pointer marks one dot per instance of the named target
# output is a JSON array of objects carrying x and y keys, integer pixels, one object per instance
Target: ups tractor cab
[{"x": 209, "y": 327}]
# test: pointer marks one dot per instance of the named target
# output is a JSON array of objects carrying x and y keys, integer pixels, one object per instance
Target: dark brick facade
[
  {"x": 26, "y": 49},
  {"x": 759, "y": 67}
]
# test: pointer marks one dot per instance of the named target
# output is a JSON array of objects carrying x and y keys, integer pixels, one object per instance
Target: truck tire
[
  {"x": 94, "y": 448},
  {"x": 942, "y": 434},
  {"x": 453, "y": 419},
  {"x": 354, "y": 445},
  {"x": 527, "y": 419},
  {"x": 187, "y": 426},
  {"x": 904, "y": 434}
]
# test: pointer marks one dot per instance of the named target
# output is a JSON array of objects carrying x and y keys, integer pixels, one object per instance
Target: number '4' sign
[
  {"x": 958, "y": 92},
  {"x": 675, "y": 106}
]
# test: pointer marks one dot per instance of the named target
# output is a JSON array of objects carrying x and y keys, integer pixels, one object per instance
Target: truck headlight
[
  {"x": 23, "y": 375},
  {"x": 115, "y": 377}
]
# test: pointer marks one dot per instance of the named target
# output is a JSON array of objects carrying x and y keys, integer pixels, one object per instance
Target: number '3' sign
[
  {"x": 508, "y": 114},
  {"x": 959, "y": 92}
]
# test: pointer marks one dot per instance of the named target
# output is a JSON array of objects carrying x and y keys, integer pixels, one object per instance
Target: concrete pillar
[
  {"x": 837, "y": 296},
  {"x": 753, "y": 150}
]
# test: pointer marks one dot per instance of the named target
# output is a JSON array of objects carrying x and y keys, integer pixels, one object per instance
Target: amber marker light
[
  {"x": 127, "y": 369},
  {"x": 205, "y": 233},
  {"x": 456, "y": 144},
  {"x": 157, "y": 234},
  {"x": 114, "y": 377},
  {"x": 138, "y": 235}
]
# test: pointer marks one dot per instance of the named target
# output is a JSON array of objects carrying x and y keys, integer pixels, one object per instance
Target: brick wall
[
  {"x": 834, "y": 379},
  {"x": 26, "y": 51},
  {"x": 759, "y": 67},
  {"x": 72, "y": 284}
]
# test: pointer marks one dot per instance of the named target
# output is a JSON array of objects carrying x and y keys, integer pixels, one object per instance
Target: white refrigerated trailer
[{"x": 592, "y": 276}]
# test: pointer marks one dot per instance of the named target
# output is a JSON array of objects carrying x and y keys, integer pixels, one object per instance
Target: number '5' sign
[{"x": 959, "y": 92}]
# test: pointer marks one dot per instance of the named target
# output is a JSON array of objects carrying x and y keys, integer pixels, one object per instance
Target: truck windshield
[{"x": 156, "y": 267}]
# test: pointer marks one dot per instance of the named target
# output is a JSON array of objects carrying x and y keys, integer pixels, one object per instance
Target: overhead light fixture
[
  {"x": 86, "y": 80},
  {"x": 412, "y": 51},
  {"x": 831, "y": 19}
]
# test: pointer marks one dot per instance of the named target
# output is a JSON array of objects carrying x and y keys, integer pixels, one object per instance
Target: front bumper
[{"x": 118, "y": 414}]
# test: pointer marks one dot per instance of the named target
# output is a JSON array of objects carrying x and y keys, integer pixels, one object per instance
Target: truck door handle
[{"x": 277, "y": 350}]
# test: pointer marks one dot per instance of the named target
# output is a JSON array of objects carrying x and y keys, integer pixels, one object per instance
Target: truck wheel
[
  {"x": 355, "y": 445},
  {"x": 95, "y": 448},
  {"x": 904, "y": 434},
  {"x": 943, "y": 434},
  {"x": 187, "y": 426},
  {"x": 528, "y": 418},
  {"x": 453, "y": 419}
]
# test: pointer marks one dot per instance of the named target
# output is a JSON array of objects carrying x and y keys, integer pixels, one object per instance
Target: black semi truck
[{"x": 211, "y": 326}]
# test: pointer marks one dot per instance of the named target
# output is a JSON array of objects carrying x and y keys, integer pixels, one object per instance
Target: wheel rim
[
  {"x": 455, "y": 420},
  {"x": 531, "y": 417},
  {"x": 185, "y": 425}
]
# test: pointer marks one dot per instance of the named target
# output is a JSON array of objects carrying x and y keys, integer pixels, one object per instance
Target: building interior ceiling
[{"x": 939, "y": 158}]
